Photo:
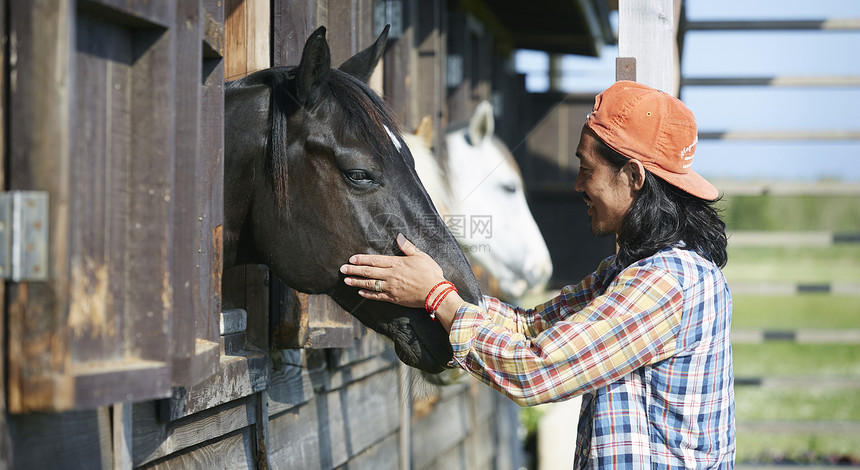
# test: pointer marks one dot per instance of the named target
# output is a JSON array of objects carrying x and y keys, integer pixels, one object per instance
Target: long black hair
[{"x": 662, "y": 216}]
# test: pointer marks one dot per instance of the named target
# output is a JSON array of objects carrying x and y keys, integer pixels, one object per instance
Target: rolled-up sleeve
[{"x": 574, "y": 343}]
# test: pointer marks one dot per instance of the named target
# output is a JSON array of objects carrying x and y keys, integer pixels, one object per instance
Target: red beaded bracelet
[
  {"x": 439, "y": 299},
  {"x": 427, "y": 299}
]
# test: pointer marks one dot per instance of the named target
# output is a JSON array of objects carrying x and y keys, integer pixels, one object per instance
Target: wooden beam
[
  {"x": 646, "y": 31},
  {"x": 840, "y": 24},
  {"x": 780, "y": 135},
  {"x": 787, "y": 81}
]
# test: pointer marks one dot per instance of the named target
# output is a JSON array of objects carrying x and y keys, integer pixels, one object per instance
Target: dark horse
[{"x": 315, "y": 172}]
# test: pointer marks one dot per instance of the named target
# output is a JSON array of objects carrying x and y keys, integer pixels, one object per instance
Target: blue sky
[{"x": 758, "y": 53}]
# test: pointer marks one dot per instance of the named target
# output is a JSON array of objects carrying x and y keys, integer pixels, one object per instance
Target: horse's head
[
  {"x": 314, "y": 173},
  {"x": 499, "y": 233}
]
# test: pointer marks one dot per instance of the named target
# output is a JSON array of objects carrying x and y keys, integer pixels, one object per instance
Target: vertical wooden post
[
  {"x": 405, "y": 440},
  {"x": 121, "y": 427},
  {"x": 4, "y": 428},
  {"x": 646, "y": 32}
]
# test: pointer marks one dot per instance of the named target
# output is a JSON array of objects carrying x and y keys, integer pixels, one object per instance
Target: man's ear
[{"x": 636, "y": 174}]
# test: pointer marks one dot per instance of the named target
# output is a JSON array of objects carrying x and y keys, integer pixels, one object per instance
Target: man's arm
[{"x": 634, "y": 323}]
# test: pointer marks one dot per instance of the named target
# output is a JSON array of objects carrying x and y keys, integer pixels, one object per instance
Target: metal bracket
[
  {"x": 24, "y": 235},
  {"x": 625, "y": 68}
]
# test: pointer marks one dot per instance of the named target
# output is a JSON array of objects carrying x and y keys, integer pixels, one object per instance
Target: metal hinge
[{"x": 24, "y": 235}]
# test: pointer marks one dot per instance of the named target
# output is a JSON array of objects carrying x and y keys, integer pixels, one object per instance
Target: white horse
[{"x": 477, "y": 187}]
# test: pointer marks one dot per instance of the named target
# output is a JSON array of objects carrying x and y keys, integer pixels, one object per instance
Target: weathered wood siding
[{"x": 120, "y": 360}]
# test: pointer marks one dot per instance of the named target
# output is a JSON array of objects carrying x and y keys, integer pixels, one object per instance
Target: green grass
[
  {"x": 809, "y": 311},
  {"x": 809, "y": 404},
  {"x": 799, "y": 448},
  {"x": 837, "y": 263},
  {"x": 792, "y": 213},
  {"x": 786, "y": 359},
  {"x": 813, "y": 265}
]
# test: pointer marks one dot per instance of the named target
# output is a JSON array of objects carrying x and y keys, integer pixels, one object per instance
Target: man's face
[{"x": 609, "y": 194}]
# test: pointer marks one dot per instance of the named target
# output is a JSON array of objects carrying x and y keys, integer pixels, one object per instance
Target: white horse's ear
[
  {"x": 425, "y": 131},
  {"x": 482, "y": 124}
]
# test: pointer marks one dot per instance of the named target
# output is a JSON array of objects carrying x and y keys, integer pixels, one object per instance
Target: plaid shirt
[{"x": 647, "y": 345}]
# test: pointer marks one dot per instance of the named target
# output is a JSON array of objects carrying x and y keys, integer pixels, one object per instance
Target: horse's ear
[
  {"x": 482, "y": 124},
  {"x": 361, "y": 65},
  {"x": 425, "y": 131},
  {"x": 315, "y": 64}
]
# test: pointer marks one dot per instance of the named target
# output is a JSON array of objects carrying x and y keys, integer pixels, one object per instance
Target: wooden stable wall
[{"x": 132, "y": 355}]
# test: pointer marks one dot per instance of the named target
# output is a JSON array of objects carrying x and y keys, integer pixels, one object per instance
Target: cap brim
[{"x": 690, "y": 182}]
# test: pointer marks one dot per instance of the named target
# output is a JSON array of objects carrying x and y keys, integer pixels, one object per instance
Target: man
[{"x": 645, "y": 338}]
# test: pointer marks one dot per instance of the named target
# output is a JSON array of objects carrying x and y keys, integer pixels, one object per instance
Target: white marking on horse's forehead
[{"x": 393, "y": 137}]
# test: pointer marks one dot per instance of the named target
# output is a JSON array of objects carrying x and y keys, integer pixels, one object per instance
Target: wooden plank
[
  {"x": 376, "y": 457},
  {"x": 292, "y": 22},
  {"x": 784, "y": 81},
  {"x": 430, "y": 65},
  {"x": 154, "y": 439},
  {"x": 399, "y": 72},
  {"x": 132, "y": 13},
  {"x": 648, "y": 34},
  {"x": 258, "y": 24},
  {"x": 290, "y": 382},
  {"x": 213, "y": 28},
  {"x": 836, "y": 24},
  {"x": 74, "y": 439},
  {"x": 235, "y": 40},
  {"x": 238, "y": 376},
  {"x": 234, "y": 320},
  {"x": 234, "y": 451},
  {"x": 121, "y": 420},
  {"x": 785, "y": 135},
  {"x": 261, "y": 431},
  {"x": 442, "y": 430},
  {"x": 183, "y": 273},
  {"x": 298, "y": 438},
  {"x": 210, "y": 183},
  {"x": 5, "y": 449},
  {"x": 288, "y": 317},
  {"x": 458, "y": 100},
  {"x": 404, "y": 392},
  {"x": 332, "y": 428},
  {"x": 39, "y": 148},
  {"x": 194, "y": 358},
  {"x": 149, "y": 224},
  {"x": 369, "y": 346}
]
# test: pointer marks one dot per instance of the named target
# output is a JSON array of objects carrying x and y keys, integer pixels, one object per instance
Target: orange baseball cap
[{"x": 653, "y": 127}]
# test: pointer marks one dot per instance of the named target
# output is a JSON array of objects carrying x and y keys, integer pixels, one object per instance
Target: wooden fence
[{"x": 129, "y": 353}]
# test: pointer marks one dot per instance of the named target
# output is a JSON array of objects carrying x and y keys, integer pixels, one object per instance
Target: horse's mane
[{"x": 361, "y": 111}]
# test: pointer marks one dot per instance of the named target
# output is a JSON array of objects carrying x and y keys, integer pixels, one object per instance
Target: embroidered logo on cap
[{"x": 686, "y": 150}]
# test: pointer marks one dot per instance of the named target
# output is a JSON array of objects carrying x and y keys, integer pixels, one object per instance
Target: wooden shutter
[{"x": 111, "y": 114}]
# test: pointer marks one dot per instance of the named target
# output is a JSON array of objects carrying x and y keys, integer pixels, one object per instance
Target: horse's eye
[{"x": 358, "y": 176}]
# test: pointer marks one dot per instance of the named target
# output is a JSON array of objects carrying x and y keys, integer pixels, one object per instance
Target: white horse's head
[{"x": 478, "y": 189}]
